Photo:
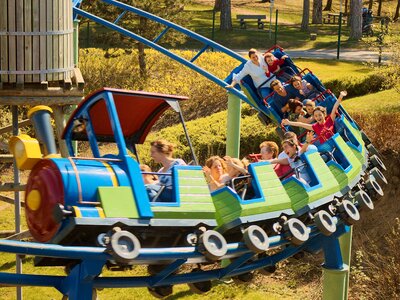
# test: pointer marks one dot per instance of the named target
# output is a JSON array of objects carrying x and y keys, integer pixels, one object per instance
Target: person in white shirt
[{"x": 255, "y": 67}]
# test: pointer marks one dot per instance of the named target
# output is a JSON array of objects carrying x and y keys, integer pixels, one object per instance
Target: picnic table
[
  {"x": 333, "y": 18},
  {"x": 260, "y": 20}
]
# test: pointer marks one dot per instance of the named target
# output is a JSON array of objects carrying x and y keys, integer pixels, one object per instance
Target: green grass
[
  {"x": 385, "y": 101},
  {"x": 288, "y": 34}
]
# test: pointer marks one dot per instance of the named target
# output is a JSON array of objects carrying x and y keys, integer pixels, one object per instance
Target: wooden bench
[
  {"x": 333, "y": 18},
  {"x": 260, "y": 20}
]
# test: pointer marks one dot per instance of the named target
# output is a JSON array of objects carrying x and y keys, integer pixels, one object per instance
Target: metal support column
[
  {"x": 345, "y": 247},
  {"x": 334, "y": 271},
  {"x": 233, "y": 125},
  {"x": 17, "y": 200}
]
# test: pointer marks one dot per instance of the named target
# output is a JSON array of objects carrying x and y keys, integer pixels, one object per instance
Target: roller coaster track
[
  {"x": 207, "y": 43},
  {"x": 89, "y": 261}
]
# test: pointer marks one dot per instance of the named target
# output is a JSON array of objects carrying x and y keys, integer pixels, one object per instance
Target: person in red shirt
[
  {"x": 324, "y": 126},
  {"x": 273, "y": 67}
]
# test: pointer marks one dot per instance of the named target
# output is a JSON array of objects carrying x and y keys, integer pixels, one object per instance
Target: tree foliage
[{"x": 172, "y": 10}]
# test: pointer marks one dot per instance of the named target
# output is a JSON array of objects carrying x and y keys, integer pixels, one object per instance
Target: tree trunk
[
  {"x": 142, "y": 61},
  {"x": 306, "y": 15},
  {"x": 379, "y": 8},
  {"x": 370, "y": 3},
  {"x": 346, "y": 5},
  {"x": 328, "y": 6},
  {"x": 217, "y": 5},
  {"x": 396, "y": 14},
  {"x": 317, "y": 12},
  {"x": 226, "y": 18},
  {"x": 356, "y": 20}
]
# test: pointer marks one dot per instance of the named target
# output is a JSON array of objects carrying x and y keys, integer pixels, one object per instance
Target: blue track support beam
[
  {"x": 161, "y": 49},
  {"x": 167, "y": 271},
  {"x": 181, "y": 29},
  {"x": 161, "y": 35},
  {"x": 30, "y": 280},
  {"x": 199, "y": 53},
  {"x": 116, "y": 21},
  {"x": 235, "y": 264}
]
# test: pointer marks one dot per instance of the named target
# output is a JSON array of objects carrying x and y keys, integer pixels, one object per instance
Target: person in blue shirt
[{"x": 161, "y": 152}]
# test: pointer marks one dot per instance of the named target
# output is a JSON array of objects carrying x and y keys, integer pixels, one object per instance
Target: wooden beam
[
  {"x": 48, "y": 92},
  {"x": 78, "y": 78},
  {"x": 10, "y": 187},
  {"x": 6, "y": 233},
  {"x": 10, "y": 200},
  {"x": 20, "y": 124},
  {"x": 6, "y": 158},
  {"x": 42, "y": 100},
  {"x": 19, "y": 236}
]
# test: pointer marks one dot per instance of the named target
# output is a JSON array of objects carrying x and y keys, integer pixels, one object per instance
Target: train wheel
[
  {"x": 124, "y": 246},
  {"x": 374, "y": 187},
  {"x": 212, "y": 244},
  {"x": 200, "y": 287},
  {"x": 364, "y": 200},
  {"x": 267, "y": 270},
  {"x": 256, "y": 239},
  {"x": 160, "y": 291},
  {"x": 350, "y": 214},
  {"x": 372, "y": 150},
  {"x": 298, "y": 232},
  {"x": 324, "y": 222},
  {"x": 377, "y": 162},
  {"x": 243, "y": 278},
  {"x": 378, "y": 175},
  {"x": 366, "y": 139}
]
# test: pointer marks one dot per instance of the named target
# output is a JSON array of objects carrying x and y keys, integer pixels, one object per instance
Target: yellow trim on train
[
  {"x": 110, "y": 170},
  {"x": 77, "y": 211}
]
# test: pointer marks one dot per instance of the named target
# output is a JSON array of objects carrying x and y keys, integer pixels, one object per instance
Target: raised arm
[
  {"x": 231, "y": 163},
  {"x": 337, "y": 103},
  {"x": 297, "y": 124},
  {"x": 309, "y": 138},
  {"x": 281, "y": 161}
]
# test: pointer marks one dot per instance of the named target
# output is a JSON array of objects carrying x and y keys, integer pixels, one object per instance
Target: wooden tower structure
[{"x": 38, "y": 65}]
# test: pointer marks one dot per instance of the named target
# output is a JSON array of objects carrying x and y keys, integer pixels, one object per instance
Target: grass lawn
[{"x": 200, "y": 13}]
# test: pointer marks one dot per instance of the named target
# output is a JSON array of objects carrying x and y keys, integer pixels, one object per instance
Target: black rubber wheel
[
  {"x": 324, "y": 222},
  {"x": 298, "y": 232},
  {"x": 267, "y": 270},
  {"x": 374, "y": 188},
  {"x": 350, "y": 213},
  {"x": 377, "y": 162},
  {"x": 243, "y": 278},
  {"x": 299, "y": 255},
  {"x": 378, "y": 175},
  {"x": 212, "y": 245},
  {"x": 200, "y": 287},
  {"x": 256, "y": 239},
  {"x": 373, "y": 151},
  {"x": 160, "y": 291},
  {"x": 364, "y": 200},
  {"x": 124, "y": 246},
  {"x": 366, "y": 139}
]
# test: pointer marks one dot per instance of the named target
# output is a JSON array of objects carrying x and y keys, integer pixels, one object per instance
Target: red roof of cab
[{"x": 137, "y": 112}]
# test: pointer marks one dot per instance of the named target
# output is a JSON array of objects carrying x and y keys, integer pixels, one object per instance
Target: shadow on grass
[{"x": 11, "y": 264}]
